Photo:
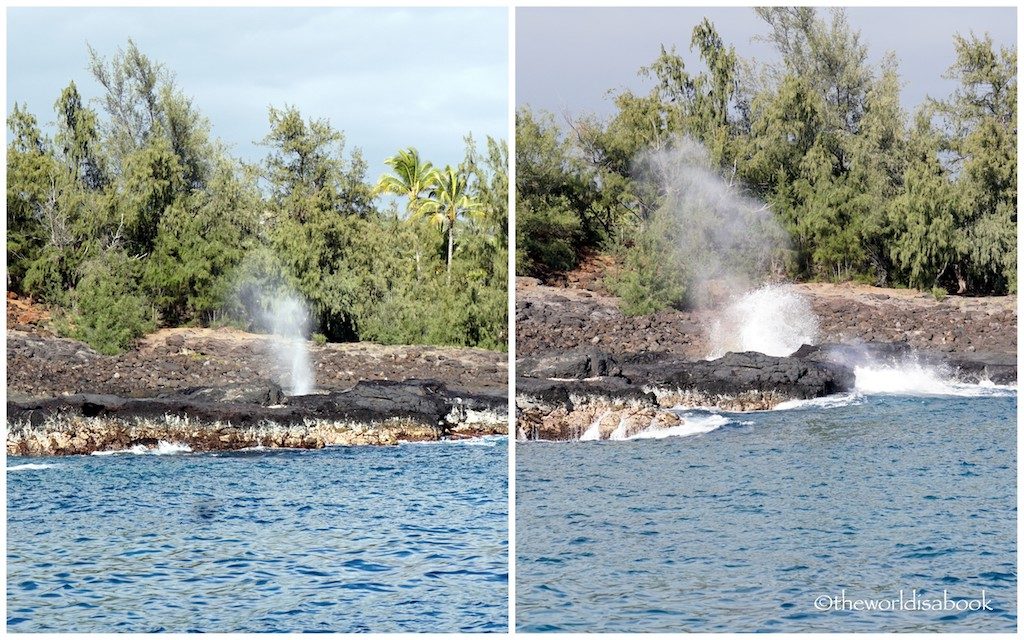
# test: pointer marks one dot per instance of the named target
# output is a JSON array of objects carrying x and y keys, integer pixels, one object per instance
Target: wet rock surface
[{"x": 642, "y": 387}]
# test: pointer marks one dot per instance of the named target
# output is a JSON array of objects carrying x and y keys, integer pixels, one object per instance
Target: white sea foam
[
  {"x": 593, "y": 432},
  {"x": 692, "y": 425},
  {"x": 476, "y": 441},
  {"x": 161, "y": 449},
  {"x": 915, "y": 379},
  {"x": 826, "y": 402},
  {"x": 620, "y": 431},
  {"x": 481, "y": 441},
  {"x": 774, "y": 320},
  {"x": 31, "y": 466}
]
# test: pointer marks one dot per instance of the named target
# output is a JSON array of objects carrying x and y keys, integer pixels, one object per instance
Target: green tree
[
  {"x": 449, "y": 200},
  {"x": 412, "y": 178},
  {"x": 199, "y": 244},
  {"x": 307, "y": 171},
  {"x": 924, "y": 214},
  {"x": 981, "y": 136},
  {"x": 554, "y": 198},
  {"x": 78, "y": 139},
  {"x": 31, "y": 170},
  {"x": 109, "y": 311}
]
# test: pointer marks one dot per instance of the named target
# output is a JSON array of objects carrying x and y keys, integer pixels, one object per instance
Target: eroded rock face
[
  {"x": 80, "y": 435},
  {"x": 592, "y": 418},
  {"x": 233, "y": 417},
  {"x": 644, "y": 386}
]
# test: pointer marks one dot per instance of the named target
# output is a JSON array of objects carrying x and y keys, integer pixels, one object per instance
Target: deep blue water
[
  {"x": 743, "y": 527},
  {"x": 408, "y": 538}
]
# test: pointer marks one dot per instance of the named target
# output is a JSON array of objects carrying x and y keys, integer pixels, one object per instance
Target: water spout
[{"x": 288, "y": 318}]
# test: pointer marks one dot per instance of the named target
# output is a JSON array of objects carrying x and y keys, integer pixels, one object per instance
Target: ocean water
[
  {"x": 742, "y": 522},
  {"x": 345, "y": 539}
]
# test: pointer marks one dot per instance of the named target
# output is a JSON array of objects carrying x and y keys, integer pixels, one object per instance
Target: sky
[
  {"x": 388, "y": 78},
  {"x": 567, "y": 60}
]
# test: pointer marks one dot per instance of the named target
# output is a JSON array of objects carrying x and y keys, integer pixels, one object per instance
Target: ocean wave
[
  {"x": 482, "y": 441},
  {"x": 825, "y": 402},
  {"x": 31, "y": 466},
  {"x": 692, "y": 425},
  {"x": 478, "y": 441},
  {"x": 914, "y": 379},
  {"x": 161, "y": 449}
]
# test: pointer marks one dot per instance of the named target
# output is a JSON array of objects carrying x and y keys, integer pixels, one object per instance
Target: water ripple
[
  {"x": 741, "y": 529},
  {"x": 348, "y": 539}
]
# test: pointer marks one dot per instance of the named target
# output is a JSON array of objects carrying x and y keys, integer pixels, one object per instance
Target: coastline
[
  {"x": 586, "y": 371},
  {"x": 220, "y": 389}
]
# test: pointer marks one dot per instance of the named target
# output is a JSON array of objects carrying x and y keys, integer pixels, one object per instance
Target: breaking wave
[
  {"x": 161, "y": 449},
  {"x": 825, "y": 402},
  {"x": 692, "y": 425},
  {"x": 31, "y": 466},
  {"x": 915, "y": 379}
]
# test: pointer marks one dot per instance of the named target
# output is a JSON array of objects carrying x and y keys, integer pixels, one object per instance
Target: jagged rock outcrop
[
  {"x": 642, "y": 387},
  {"x": 238, "y": 416}
]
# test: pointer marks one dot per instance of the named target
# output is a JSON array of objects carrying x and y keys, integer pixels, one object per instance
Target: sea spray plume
[
  {"x": 774, "y": 320},
  {"x": 263, "y": 299},
  {"x": 288, "y": 318},
  {"x": 728, "y": 244},
  {"x": 725, "y": 241}
]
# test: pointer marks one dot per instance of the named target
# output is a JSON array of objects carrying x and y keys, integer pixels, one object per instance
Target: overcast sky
[
  {"x": 389, "y": 78},
  {"x": 568, "y": 59}
]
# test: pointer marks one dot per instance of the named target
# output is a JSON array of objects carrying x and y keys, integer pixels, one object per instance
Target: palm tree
[
  {"x": 448, "y": 200},
  {"x": 411, "y": 179}
]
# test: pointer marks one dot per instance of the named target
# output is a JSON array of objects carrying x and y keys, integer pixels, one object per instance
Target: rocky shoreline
[
  {"x": 587, "y": 371},
  {"x": 209, "y": 390},
  {"x": 228, "y": 418}
]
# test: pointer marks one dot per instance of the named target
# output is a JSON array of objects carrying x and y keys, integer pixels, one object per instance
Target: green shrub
[
  {"x": 109, "y": 312},
  {"x": 939, "y": 293},
  {"x": 319, "y": 339},
  {"x": 546, "y": 239},
  {"x": 650, "y": 277}
]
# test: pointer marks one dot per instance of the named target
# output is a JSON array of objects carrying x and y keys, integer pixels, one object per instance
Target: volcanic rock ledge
[
  {"x": 588, "y": 393},
  {"x": 376, "y": 412},
  {"x": 567, "y": 395}
]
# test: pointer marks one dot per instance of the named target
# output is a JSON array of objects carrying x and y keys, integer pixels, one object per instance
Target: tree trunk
[
  {"x": 451, "y": 245},
  {"x": 960, "y": 280}
]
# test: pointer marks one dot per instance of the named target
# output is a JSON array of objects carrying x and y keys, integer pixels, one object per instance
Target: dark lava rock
[
  {"x": 262, "y": 393},
  {"x": 560, "y": 392},
  {"x": 736, "y": 373},
  {"x": 732, "y": 375},
  {"x": 424, "y": 401},
  {"x": 578, "y": 364}
]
